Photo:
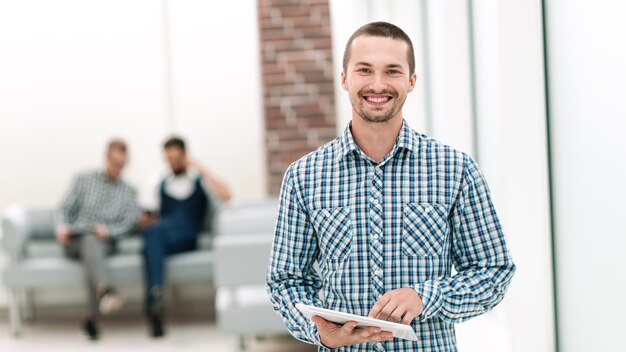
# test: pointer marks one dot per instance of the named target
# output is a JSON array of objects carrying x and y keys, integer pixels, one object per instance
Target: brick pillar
[{"x": 298, "y": 92}]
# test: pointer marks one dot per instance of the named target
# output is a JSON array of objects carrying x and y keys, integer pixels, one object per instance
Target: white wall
[
  {"x": 346, "y": 17},
  {"x": 511, "y": 135},
  {"x": 217, "y": 89},
  {"x": 587, "y": 79},
  {"x": 75, "y": 73}
]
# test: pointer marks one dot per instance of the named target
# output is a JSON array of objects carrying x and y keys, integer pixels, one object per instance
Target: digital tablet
[{"x": 399, "y": 330}]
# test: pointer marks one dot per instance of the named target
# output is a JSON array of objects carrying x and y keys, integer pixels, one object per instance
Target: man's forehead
[
  {"x": 378, "y": 40},
  {"x": 379, "y": 47}
]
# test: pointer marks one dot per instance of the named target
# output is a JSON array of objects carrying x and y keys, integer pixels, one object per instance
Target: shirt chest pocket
[
  {"x": 334, "y": 231},
  {"x": 424, "y": 229}
]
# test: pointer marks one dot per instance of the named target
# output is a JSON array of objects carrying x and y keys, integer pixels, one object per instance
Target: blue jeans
[{"x": 162, "y": 239}]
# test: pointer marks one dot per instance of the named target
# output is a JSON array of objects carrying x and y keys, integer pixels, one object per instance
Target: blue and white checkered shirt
[{"x": 374, "y": 227}]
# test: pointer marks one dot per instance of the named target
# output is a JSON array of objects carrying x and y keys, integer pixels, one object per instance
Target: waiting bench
[{"x": 37, "y": 261}]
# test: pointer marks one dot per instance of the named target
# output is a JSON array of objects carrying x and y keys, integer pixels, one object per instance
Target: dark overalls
[{"x": 177, "y": 231}]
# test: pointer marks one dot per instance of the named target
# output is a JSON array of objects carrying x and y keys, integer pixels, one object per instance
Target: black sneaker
[
  {"x": 90, "y": 329},
  {"x": 157, "y": 302},
  {"x": 156, "y": 326}
]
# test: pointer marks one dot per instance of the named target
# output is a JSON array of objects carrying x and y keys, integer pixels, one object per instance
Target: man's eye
[
  {"x": 393, "y": 72},
  {"x": 364, "y": 70}
]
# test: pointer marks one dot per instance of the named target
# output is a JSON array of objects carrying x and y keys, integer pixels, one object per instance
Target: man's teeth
[{"x": 377, "y": 99}]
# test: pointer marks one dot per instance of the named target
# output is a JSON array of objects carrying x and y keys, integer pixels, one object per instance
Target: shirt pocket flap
[
  {"x": 424, "y": 228},
  {"x": 334, "y": 231}
]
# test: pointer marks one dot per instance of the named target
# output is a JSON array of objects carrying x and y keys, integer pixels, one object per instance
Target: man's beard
[
  {"x": 179, "y": 171},
  {"x": 376, "y": 118}
]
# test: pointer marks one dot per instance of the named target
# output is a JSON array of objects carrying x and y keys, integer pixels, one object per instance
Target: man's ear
[
  {"x": 412, "y": 81},
  {"x": 344, "y": 80}
]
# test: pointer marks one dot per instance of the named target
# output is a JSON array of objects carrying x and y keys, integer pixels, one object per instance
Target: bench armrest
[{"x": 19, "y": 224}]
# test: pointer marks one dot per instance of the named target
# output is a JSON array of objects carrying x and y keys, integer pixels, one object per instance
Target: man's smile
[{"x": 377, "y": 99}]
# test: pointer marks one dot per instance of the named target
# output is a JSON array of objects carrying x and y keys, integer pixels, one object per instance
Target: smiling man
[{"x": 386, "y": 213}]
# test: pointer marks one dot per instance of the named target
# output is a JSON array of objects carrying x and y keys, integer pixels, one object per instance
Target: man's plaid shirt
[
  {"x": 94, "y": 198},
  {"x": 372, "y": 228}
]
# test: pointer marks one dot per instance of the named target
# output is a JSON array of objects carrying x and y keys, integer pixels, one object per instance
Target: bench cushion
[{"x": 56, "y": 271}]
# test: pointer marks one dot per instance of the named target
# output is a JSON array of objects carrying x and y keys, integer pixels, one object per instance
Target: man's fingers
[
  {"x": 370, "y": 334},
  {"x": 323, "y": 323},
  {"x": 365, "y": 333},
  {"x": 380, "y": 336},
  {"x": 408, "y": 318},
  {"x": 386, "y": 311},
  {"x": 378, "y": 306},
  {"x": 348, "y": 327},
  {"x": 62, "y": 237},
  {"x": 345, "y": 329},
  {"x": 397, "y": 314}
]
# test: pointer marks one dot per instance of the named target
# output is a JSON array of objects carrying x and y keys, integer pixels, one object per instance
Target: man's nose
[{"x": 378, "y": 82}]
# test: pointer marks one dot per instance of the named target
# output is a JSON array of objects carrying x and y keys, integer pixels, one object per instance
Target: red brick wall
[{"x": 298, "y": 96}]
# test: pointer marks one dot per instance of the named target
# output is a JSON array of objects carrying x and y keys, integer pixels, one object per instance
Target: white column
[
  {"x": 587, "y": 79},
  {"x": 513, "y": 155}
]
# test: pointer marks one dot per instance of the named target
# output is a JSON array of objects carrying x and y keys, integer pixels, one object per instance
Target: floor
[
  {"x": 193, "y": 328},
  {"x": 56, "y": 330}
]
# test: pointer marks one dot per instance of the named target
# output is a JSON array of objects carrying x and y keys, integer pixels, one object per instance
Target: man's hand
[
  {"x": 333, "y": 335},
  {"x": 146, "y": 220},
  {"x": 101, "y": 231},
  {"x": 190, "y": 162},
  {"x": 400, "y": 305},
  {"x": 220, "y": 188},
  {"x": 62, "y": 234}
]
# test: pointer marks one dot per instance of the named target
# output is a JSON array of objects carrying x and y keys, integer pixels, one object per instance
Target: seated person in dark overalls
[{"x": 175, "y": 210}]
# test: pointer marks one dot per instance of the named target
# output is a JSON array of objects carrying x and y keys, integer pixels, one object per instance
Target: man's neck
[
  {"x": 179, "y": 172},
  {"x": 109, "y": 176},
  {"x": 376, "y": 139}
]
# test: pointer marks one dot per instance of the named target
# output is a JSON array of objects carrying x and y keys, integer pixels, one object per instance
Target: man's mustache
[{"x": 381, "y": 92}]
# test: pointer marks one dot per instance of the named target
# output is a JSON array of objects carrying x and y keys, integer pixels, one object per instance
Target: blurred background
[{"x": 534, "y": 90}]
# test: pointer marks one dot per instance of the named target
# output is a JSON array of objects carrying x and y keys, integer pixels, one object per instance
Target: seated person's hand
[
  {"x": 101, "y": 231},
  {"x": 190, "y": 162},
  {"x": 62, "y": 234},
  {"x": 398, "y": 306},
  {"x": 333, "y": 335},
  {"x": 146, "y": 219}
]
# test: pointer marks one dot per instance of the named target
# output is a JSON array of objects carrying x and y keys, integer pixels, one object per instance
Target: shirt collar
[
  {"x": 190, "y": 173},
  {"x": 104, "y": 176},
  {"x": 406, "y": 140}
]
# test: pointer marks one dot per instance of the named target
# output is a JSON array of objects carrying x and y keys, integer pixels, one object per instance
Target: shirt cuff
[
  {"x": 315, "y": 335},
  {"x": 430, "y": 293},
  {"x": 307, "y": 333}
]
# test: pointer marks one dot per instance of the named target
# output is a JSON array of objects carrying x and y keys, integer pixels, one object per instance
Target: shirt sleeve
[
  {"x": 291, "y": 277},
  {"x": 128, "y": 215},
  {"x": 67, "y": 213},
  {"x": 208, "y": 190},
  {"x": 483, "y": 264}
]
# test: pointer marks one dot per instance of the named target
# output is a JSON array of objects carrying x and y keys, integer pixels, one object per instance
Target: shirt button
[
  {"x": 375, "y": 237},
  {"x": 378, "y": 272}
]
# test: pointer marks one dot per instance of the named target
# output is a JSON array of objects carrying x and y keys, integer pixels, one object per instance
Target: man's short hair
[
  {"x": 176, "y": 142},
  {"x": 381, "y": 29},
  {"x": 116, "y": 144}
]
